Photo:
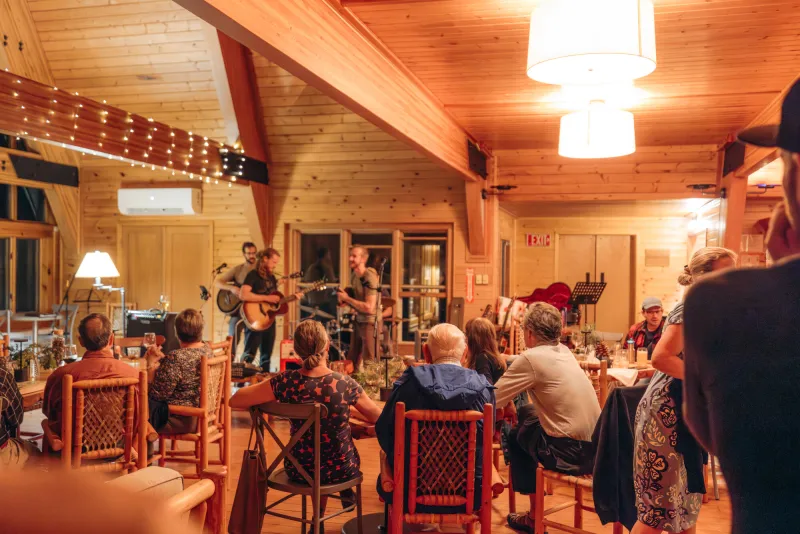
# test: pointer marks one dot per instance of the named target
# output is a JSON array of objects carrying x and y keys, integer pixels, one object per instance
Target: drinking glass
[
  {"x": 641, "y": 357},
  {"x": 149, "y": 340},
  {"x": 164, "y": 302},
  {"x": 73, "y": 351}
]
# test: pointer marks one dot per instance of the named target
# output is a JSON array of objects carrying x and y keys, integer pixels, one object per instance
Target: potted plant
[{"x": 22, "y": 361}]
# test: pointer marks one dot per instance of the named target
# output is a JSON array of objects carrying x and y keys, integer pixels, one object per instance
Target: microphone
[
  {"x": 383, "y": 261},
  {"x": 204, "y": 294},
  {"x": 219, "y": 269}
]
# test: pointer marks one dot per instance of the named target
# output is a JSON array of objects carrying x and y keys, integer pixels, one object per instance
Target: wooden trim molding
[{"x": 26, "y": 229}]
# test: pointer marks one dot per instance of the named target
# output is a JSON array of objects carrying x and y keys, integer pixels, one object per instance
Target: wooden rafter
[
  {"x": 241, "y": 84},
  {"x": 319, "y": 42},
  {"x": 44, "y": 113}
]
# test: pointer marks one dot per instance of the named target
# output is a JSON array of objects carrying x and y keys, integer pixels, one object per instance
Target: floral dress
[
  {"x": 660, "y": 481},
  {"x": 339, "y": 460}
]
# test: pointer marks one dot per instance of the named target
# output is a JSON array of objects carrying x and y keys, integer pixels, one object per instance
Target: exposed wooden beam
[
  {"x": 733, "y": 210},
  {"x": 476, "y": 219},
  {"x": 246, "y": 103},
  {"x": 757, "y": 157},
  {"x": 322, "y": 43},
  {"x": 27, "y": 58},
  {"x": 221, "y": 83}
]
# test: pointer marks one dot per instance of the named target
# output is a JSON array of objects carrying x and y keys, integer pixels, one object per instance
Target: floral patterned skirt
[{"x": 662, "y": 497}]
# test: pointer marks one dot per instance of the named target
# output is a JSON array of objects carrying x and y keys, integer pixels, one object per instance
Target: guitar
[
  {"x": 502, "y": 341},
  {"x": 259, "y": 316},
  {"x": 229, "y": 304},
  {"x": 487, "y": 312}
]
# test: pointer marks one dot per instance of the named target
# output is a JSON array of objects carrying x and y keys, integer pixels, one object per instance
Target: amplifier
[
  {"x": 288, "y": 355},
  {"x": 139, "y": 322}
]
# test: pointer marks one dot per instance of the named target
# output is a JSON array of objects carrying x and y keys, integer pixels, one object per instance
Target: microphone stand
[
  {"x": 386, "y": 391},
  {"x": 65, "y": 301}
]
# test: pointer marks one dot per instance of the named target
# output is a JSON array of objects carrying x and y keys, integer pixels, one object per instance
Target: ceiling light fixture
[
  {"x": 577, "y": 42},
  {"x": 598, "y": 132}
]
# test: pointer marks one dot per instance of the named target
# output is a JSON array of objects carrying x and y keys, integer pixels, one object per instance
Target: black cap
[{"x": 785, "y": 135}]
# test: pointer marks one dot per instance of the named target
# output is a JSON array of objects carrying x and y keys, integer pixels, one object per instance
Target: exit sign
[{"x": 537, "y": 240}]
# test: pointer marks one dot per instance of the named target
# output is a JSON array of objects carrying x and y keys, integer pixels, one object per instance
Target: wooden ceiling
[
  {"x": 719, "y": 64},
  {"x": 149, "y": 57}
]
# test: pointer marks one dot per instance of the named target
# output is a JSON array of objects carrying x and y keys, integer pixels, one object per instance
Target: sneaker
[{"x": 521, "y": 522}]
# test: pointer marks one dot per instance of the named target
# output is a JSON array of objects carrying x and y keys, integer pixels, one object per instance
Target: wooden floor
[{"x": 714, "y": 517}]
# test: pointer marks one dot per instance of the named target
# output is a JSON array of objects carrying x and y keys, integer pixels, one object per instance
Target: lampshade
[
  {"x": 599, "y": 132},
  {"x": 577, "y": 42},
  {"x": 97, "y": 265}
]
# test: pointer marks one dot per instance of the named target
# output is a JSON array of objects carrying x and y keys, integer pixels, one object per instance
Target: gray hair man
[
  {"x": 742, "y": 359},
  {"x": 556, "y": 429},
  {"x": 442, "y": 385}
]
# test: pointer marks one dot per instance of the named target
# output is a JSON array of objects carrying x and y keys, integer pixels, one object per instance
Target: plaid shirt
[
  {"x": 10, "y": 403},
  {"x": 638, "y": 334}
]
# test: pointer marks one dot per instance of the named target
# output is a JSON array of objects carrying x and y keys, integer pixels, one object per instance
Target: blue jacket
[{"x": 435, "y": 387}]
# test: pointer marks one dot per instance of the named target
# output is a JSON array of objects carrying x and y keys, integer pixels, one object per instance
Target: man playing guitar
[
  {"x": 364, "y": 282},
  {"x": 231, "y": 281},
  {"x": 257, "y": 286}
]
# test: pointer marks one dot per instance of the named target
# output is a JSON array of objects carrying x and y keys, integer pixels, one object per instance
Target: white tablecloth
[{"x": 627, "y": 377}]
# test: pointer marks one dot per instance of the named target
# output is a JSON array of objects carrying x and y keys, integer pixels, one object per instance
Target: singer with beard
[
  {"x": 232, "y": 281},
  {"x": 364, "y": 299}
]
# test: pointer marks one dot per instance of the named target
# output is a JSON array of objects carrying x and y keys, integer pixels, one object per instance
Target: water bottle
[{"x": 631, "y": 351}]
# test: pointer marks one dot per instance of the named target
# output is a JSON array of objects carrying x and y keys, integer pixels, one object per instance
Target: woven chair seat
[
  {"x": 584, "y": 481},
  {"x": 280, "y": 481},
  {"x": 213, "y": 435},
  {"x": 441, "y": 519}
]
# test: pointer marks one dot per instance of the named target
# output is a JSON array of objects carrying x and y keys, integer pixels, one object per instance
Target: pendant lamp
[
  {"x": 584, "y": 42},
  {"x": 598, "y": 132}
]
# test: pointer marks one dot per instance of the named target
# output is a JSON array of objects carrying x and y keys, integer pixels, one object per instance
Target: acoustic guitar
[
  {"x": 230, "y": 304},
  {"x": 503, "y": 338},
  {"x": 259, "y": 316},
  {"x": 487, "y": 312}
]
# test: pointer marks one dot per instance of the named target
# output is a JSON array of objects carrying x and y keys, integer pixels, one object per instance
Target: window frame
[{"x": 292, "y": 254}]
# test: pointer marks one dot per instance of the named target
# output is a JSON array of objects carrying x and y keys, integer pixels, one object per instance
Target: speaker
[
  {"x": 734, "y": 157},
  {"x": 141, "y": 322},
  {"x": 456, "y": 312}
]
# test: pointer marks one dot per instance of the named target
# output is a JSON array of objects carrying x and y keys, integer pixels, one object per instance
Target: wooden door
[
  {"x": 613, "y": 257},
  {"x": 576, "y": 257},
  {"x": 187, "y": 267},
  {"x": 143, "y": 264}
]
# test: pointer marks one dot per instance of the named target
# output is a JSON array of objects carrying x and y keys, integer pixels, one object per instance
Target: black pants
[
  {"x": 235, "y": 330},
  {"x": 529, "y": 446},
  {"x": 259, "y": 341}
]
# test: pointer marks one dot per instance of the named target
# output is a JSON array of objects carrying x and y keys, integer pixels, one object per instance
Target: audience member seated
[
  {"x": 482, "y": 353},
  {"x": 175, "y": 378},
  {"x": 316, "y": 383},
  {"x": 14, "y": 452},
  {"x": 556, "y": 429},
  {"x": 645, "y": 335},
  {"x": 98, "y": 362},
  {"x": 444, "y": 385}
]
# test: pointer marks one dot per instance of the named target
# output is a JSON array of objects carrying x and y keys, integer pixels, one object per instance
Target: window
[
  {"x": 30, "y": 204},
  {"x": 5, "y": 201},
  {"x": 4, "y": 274},
  {"x": 424, "y": 289},
  {"x": 320, "y": 256},
  {"x": 27, "y": 290}
]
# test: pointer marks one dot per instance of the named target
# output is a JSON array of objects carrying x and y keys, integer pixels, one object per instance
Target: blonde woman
[
  {"x": 316, "y": 383},
  {"x": 666, "y": 457}
]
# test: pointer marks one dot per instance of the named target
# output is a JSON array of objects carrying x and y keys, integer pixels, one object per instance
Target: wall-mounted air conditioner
[{"x": 150, "y": 201}]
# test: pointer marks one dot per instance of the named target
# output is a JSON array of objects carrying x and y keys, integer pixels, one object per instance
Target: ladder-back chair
[
  {"x": 442, "y": 469},
  {"x": 597, "y": 374},
  {"x": 213, "y": 420},
  {"x": 278, "y": 479},
  {"x": 97, "y": 423}
]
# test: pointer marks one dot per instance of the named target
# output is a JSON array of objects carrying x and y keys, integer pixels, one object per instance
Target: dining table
[{"x": 32, "y": 393}]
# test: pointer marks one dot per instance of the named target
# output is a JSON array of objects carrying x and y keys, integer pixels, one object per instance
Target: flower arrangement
[{"x": 373, "y": 377}]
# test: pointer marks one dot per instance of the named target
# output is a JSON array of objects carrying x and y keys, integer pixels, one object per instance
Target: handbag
[{"x": 247, "y": 513}]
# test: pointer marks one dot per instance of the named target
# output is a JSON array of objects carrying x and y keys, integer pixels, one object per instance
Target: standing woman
[
  {"x": 668, "y": 478},
  {"x": 482, "y": 353}
]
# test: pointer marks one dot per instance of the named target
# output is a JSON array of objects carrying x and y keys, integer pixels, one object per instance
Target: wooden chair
[
  {"x": 597, "y": 373},
  {"x": 97, "y": 423},
  {"x": 278, "y": 479},
  {"x": 213, "y": 419},
  {"x": 442, "y": 467},
  {"x": 203, "y": 503}
]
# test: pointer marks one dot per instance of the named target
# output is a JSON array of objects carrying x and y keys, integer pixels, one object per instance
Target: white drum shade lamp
[
  {"x": 99, "y": 265},
  {"x": 598, "y": 132},
  {"x": 586, "y": 42}
]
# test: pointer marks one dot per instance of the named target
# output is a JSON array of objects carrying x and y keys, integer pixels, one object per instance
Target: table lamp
[{"x": 99, "y": 265}]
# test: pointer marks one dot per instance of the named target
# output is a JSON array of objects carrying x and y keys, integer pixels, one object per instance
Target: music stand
[{"x": 585, "y": 294}]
